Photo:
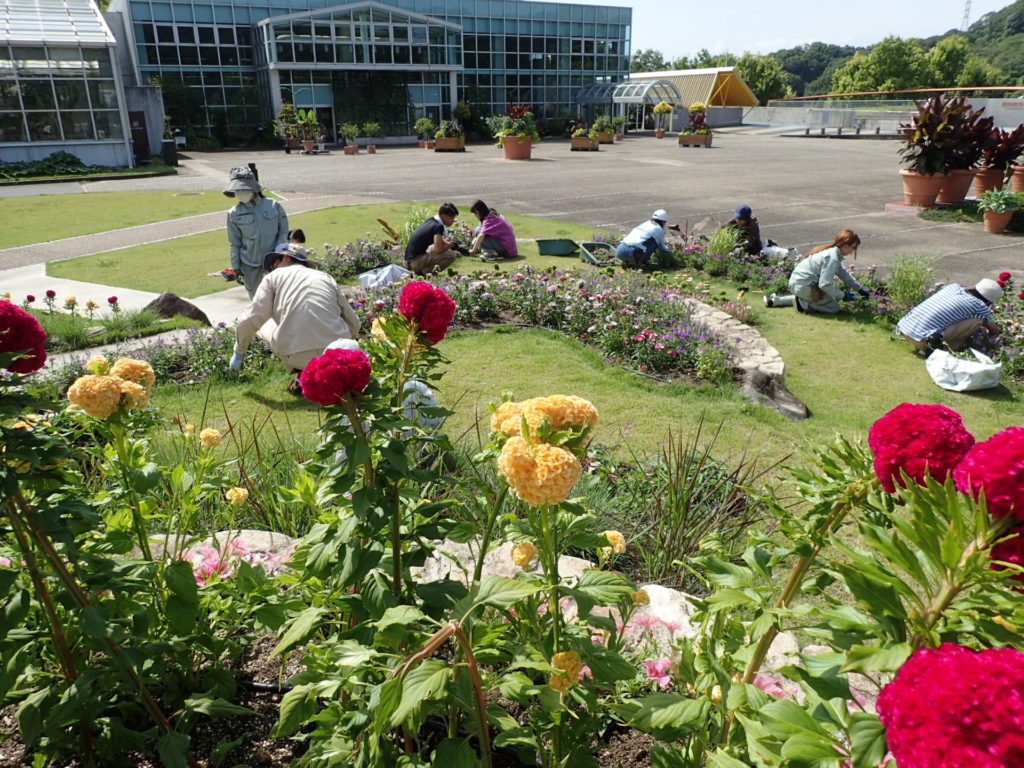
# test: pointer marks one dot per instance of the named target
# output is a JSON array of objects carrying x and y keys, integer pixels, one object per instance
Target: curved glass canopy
[{"x": 629, "y": 92}]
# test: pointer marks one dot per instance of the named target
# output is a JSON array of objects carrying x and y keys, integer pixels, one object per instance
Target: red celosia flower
[
  {"x": 1005, "y": 275},
  {"x": 996, "y": 468},
  {"x": 51, "y": 294},
  {"x": 919, "y": 440},
  {"x": 1011, "y": 551},
  {"x": 1021, "y": 296},
  {"x": 336, "y": 373},
  {"x": 30, "y": 298},
  {"x": 951, "y": 707},
  {"x": 429, "y": 307},
  {"x": 111, "y": 299},
  {"x": 20, "y": 332}
]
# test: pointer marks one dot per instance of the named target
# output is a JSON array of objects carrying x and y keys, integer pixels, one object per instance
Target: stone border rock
[{"x": 763, "y": 368}]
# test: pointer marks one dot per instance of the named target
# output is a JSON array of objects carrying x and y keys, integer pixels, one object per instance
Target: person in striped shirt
[{"x": 951, "y": 316}]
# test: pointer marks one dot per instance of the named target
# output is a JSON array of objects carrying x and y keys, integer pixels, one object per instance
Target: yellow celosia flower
[
  {"x": 70, "y": 302},
  {"x": 98, "y": 365},
  {"x": 569, "y": 665},
  {"x": 617, "y": 541},
  {"x": 523, "y": 554},
  {"x": 540, "y": 473},
  {"x": 138, "y": 371},
  {"x": 98, "y": 396},
  {"x": 560, "y": 411},
  {"x": 237, "y": 496},
  {"x": 6, "y": 295},
  {"x": 135, "y": 395},
  {"x": 209, "y": 438},
  {"x": 716, "y": 694},
  {"x": 377, "y": 330},
  {"x": 188, "y": 430},
  {"x": 640, "y": 597}
]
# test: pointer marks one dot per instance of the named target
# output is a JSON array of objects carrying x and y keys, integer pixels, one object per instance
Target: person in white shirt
[
  {"x": 643, "y": 241},
  {"x": 307, "y": 306}
]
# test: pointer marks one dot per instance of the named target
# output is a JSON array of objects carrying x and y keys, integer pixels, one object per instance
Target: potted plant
[
  {"x": 999, "y": 205},
  {"x": 309, "y": 128},
  {"x": 619, "y": 122},
  {"x": 371, "y": 131},
  {"x": 285, "y": 126},
  {"x": 928, "y": 145},
  {"x": 584, "y": 139},
  {"x": 998, "y": 158},
  {"x": 424, "y": 128},
  {"x": 696, "y": 133},
  {"x": 450, "y": 137},
  {"x": 349, "y": 132},
  {"x": 661, "y": 109},
  {"x": 516, "y": 131},
  {"x": 605, "y": 129},
  {"x": 975, "y": 135}
]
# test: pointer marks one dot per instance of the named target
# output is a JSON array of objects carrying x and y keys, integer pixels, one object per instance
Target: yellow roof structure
[{"x": 715, "y": 86}]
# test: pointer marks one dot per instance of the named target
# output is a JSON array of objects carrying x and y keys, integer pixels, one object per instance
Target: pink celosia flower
[
  {"x": 658, "y": 671},
  {"x": 952, "y": 707},
  {"x": 996, "y": 468}
]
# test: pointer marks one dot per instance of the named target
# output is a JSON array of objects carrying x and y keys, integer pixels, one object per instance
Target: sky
[{"x": 682, "y": 27}]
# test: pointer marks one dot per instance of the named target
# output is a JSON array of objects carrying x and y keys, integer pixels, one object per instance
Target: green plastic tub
[
  {"x": 595, "y": 253},
  {"x": 556, "y": 246}
]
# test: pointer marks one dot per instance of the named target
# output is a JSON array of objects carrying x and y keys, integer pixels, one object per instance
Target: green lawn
[
  {"x": 182, "y": 265},
  {"x": 32, "y": 220}
]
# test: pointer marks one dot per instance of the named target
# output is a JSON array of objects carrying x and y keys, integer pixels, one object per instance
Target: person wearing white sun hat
[
  {"x": 951, "y": 316},
  {"x": 643, "y": 241}
]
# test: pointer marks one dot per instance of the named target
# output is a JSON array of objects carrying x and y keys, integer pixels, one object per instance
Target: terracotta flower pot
[
  {"x": 921, "y": 190},
  {"x": 954, "y": 188},
  {"x": 371, "y": 149},
  {"x": 659, "y": 133},
  {"x": 996, "y": 222},
  {"x": 516, "y": 148},
  {"x": 307, "y": 145},
  {"x": 986, "y": 179},
  {"x": 1017, "y": 180}
]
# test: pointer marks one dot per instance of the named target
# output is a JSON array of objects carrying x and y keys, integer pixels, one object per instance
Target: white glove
[{"x": 236, "y": 362}]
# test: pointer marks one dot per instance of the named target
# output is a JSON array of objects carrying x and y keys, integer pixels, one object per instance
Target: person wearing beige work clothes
[{"x": 307, "y": 306}]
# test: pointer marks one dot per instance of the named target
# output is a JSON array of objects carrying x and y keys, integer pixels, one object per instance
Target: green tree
[
  {"x": 948, "y": 59},
  {"x": 806, "y": 63},
  {"x": 765, "y": 77},
  {"x": 891, "y": 65},
  {"x": 647, "y": 60},
  {"x": 977, "y": 71}
]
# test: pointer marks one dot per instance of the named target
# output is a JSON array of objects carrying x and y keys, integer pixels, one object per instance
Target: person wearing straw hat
[
  {"x": 951, "y": 317},
  {"x": 255, "y": 226}
]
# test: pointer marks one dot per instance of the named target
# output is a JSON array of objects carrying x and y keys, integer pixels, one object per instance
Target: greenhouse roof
[
  {"x": 714, "y": 86},
  {"x": 54, "y": 22}
]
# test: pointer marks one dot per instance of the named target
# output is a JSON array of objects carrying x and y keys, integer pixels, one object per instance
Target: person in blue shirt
[
  {"x": 951, "y": 316},
  {"x": 643, "y": 241}
]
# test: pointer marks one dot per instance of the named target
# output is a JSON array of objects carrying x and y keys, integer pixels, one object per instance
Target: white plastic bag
[
  {"x": 961, "y": 375},
  {"x": 376, "y": 278}
]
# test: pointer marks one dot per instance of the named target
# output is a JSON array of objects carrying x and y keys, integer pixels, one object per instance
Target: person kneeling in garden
[
  {"x": 643, "y": 241},
  {"x": 812, "y": 281},
  {"x": 750, "y": 231},
  {"x": 428, "y": 249},
  {"x": 494, "y": 237},
  {"x": 307, "y": 306},
  {"x": 951, "y": 316}
]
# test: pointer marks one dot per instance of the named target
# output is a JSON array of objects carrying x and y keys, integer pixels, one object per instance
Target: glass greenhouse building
[{"x": 360, "y": 61}]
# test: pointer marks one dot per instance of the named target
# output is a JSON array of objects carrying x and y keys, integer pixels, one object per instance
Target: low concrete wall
[
  {"x": 717, "y": 117},
  {"x": 1008, "y": 113},
  {"x": 112, "y": 153}
]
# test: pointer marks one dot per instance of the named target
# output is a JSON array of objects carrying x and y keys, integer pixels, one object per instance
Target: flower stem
[
  {"x": 133, "y": 497},
  {"x": 485, "y": 542},
  {"x": 478, "y": 690}
]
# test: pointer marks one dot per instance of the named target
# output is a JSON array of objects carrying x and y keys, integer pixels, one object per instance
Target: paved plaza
[{"x": 803, "y": 190}]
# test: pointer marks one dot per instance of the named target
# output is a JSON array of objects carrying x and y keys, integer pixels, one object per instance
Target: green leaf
[
  {"x": 181, "y": 580},
  {"x": 670, "y": 716},
  {"x": 456, "y": 753},
  {"x": 861, "y": 658},
  {"x": 731, "y": 598},
  {"x": 29, "y": 717},
  {"x": 94, "y": 622},
  {"x": 173, "y": 749},
  {"x": 722, "y": 760},
  {"x": 807, "y": 748},
  {"x": 301, "y": 628},
  {"x": 608, "y": 666},
  {"x": 786, "y": 718},
  {"x": 425, "y": 681},
  {"x": 215, "y": 707},
  {"x": 867, "y": 740},
  {"x": 297, "y": 706},
  {"x": 399, "y": 616},
  {"x": 349, "y": 655},
  {"x": 223, "y": 749},
  {"x": 496, "y": 591},
  {"x": 601, "y": 588}
]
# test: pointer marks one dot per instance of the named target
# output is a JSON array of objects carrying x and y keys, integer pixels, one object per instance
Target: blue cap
[{"x": 743, "y": 212}]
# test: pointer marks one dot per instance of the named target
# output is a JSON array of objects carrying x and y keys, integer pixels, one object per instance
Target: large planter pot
[
  {"x": 1017, "y": 180},
  {"x": 996, "y": 222},
  {"x": 450, "y": 144},
  {"x": 605, "y": 138},
  {"x": 921, "y": 190},
  {"x": 659, "y": 133},
  {"x": 986, "y": 179},
  {"x": 516, "y": 148},
  {"x": 954, "y": 188},
  {"x": 307, "y": 146},
  {"x": 619, "y": 137},
  {"x": 695, "y": 140},
  {"x": 583, "y": 144},
  {"x": 371, "y": 149},
  {"x": 351, "y": 149}
]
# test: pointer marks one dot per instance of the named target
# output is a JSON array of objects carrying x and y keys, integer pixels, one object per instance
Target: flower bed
[{"x": 629, "y": 317}]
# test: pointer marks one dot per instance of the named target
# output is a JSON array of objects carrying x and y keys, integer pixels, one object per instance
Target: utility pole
[{"x": 967, "y": 16}]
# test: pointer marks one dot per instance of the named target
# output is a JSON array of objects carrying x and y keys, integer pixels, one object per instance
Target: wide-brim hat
[
  {"x": 989, "y": 289},
  {"x": 240, "y": 179},
  {"x": 293, "y": 250}
]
